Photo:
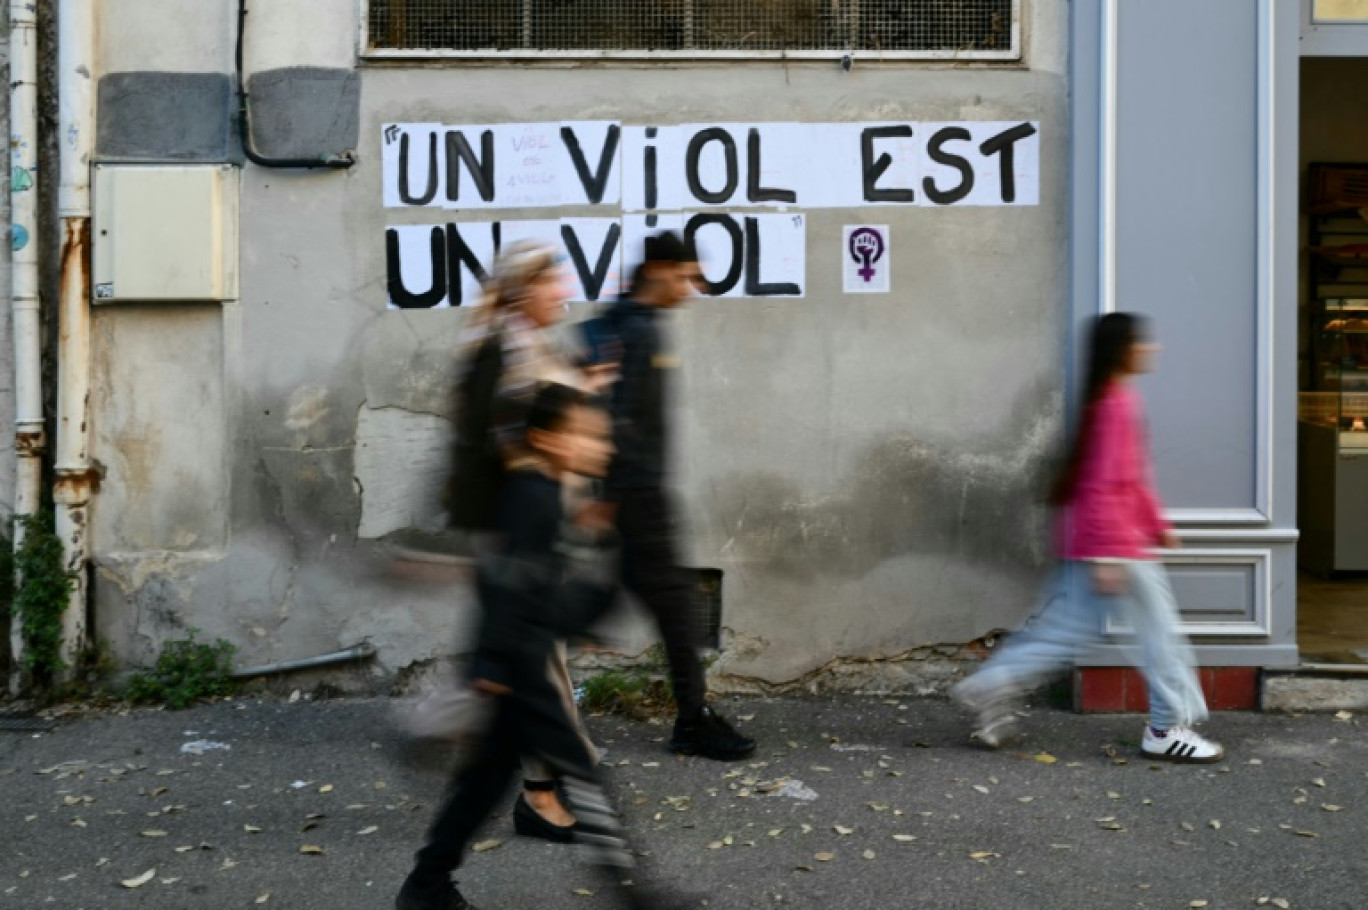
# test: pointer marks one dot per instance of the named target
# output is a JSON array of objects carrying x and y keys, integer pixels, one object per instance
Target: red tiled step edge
[{"x": 1112, "y": 690}]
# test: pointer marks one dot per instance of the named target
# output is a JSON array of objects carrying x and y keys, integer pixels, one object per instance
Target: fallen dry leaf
[
  {"x": 1196, "y": 905},
  {"x": 904, "y": 838},
  {"x": 583, "y": 892},
  {"x": 251, "y": 829},
  {"x": 824, "y": 857},
  {"x": 869, "y": 854},
  {"x": 139, "y": 881},
  {"x": 843, "y": 830},
  {"x": 982, "y": 789},
  {"x": 263, "y": 899},
  {"x": 368, "y": 830},
  {"x": 1344, "y": 715},
  {"x": 983, "y": 854},
  {"x": 326, "y": 788},
  {"x": 154, "y": 833},
  {"x": 1046, "y": 758},
  {"x": 311, "y": 850},
  {"x": 485, "y": 846}
]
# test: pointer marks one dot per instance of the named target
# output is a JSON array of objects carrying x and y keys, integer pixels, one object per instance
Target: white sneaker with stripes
[
  {"x": 1181, "y": 744},
  {"x": 996, "y": 722}
]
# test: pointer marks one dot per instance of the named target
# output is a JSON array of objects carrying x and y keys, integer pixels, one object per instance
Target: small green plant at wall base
[
  {"x": 44, "y": 589},
  {"x": 6, "y": 596},
  {"x": 637, "y": 692},
  {"x": 632, "y": 692},
  {"x": 186, "y": 671}
]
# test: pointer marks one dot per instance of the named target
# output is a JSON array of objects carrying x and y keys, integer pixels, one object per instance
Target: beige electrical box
[{"x": 165, "y": 233}]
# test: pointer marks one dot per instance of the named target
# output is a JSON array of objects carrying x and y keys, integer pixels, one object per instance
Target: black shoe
[
  {"x": 424, "y": 893},
  {"x": 529, "y": 823},
  {"x": 710, "y": 736}
]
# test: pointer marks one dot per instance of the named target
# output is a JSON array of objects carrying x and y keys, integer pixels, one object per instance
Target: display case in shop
[{"x": 1332, "y": 434}]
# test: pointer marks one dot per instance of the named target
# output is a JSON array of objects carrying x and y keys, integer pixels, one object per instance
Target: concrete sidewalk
[{"x": 850, "y": 803}]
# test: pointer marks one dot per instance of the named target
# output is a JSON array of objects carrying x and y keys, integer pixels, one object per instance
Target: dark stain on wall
[
  {"x": 172, "y": 117},
  {"x": 978, "y": 503}
]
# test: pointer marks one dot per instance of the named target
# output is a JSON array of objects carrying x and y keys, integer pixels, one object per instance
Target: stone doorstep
[
  {"x": 1121, "y": 690},
  {"x": 1315, "y": 689}
]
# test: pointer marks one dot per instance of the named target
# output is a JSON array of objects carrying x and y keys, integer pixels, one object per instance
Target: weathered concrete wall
[{"x": 863, "y": 470}]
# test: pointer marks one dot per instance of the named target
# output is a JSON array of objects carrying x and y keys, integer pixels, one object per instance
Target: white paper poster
[
  {"x": 866, "y": 259},
  {"x": 697, "y": 166},
  {"x": 738, "y": 191}
]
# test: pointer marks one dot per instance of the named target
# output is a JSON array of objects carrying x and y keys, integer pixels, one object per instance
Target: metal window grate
[{"x": 693, "y": 28}]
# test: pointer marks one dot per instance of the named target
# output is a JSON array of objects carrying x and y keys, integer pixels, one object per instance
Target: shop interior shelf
[{"x": 1357, "y": 258}]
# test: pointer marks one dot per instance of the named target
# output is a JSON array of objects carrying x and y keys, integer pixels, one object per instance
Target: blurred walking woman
[
  {"x": 511, "y": 353},
  {"x": 1111, "y": 524}
]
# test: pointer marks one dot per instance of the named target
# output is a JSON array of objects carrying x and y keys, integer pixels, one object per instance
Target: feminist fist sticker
[{"x": 867, "y": 259}]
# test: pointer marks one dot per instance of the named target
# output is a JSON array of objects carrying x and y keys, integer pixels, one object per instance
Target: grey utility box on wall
[{"x": 165, "y": 233}]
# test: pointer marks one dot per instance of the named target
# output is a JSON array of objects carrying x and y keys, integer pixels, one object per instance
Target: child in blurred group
[{"x": 550, "y": 580}]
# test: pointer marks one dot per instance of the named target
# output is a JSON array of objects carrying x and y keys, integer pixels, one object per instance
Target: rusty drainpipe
[{"x": 75, "y": 480}]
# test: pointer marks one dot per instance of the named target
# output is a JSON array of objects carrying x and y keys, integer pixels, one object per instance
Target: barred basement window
[{"x": 736, "y": 29}]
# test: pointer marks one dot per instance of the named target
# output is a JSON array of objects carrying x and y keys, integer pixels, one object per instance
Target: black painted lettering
[
  {"x": 652, "y": 176},
  {"x": 738, "y": 243},
  {"x": 754, "y": 191},
  {"x": 1004, "y": 144},
  {"x": 691, "y": 162},
  {"x": 481, "y": 167},
  {"x": 399, "y": 295},
  {"x": 405, "y": 196},
  {"x": 872, "y": 168},
  {"x": 594, "y": 183},
  {"x": 936, "y": 152},
  {"x": 591, "y": 278},
  {"x": 754, "y": 286},
  {"x": 460, "y": 256}
]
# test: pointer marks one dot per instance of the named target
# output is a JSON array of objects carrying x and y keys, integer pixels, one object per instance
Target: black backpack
[{"x": 477, "y": 472}]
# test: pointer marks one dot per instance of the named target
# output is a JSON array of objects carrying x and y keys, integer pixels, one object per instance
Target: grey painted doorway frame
[{"x": 1264, "y": 535}]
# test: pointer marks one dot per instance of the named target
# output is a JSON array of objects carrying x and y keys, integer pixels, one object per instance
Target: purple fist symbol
[{"x": 866, "y": 248}]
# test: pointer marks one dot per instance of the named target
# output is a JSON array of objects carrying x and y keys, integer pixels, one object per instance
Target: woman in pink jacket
[{"x": 1111, "y": 523}]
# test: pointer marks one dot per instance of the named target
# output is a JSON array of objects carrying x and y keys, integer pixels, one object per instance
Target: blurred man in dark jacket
[{"x": 636, "y": 487}]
